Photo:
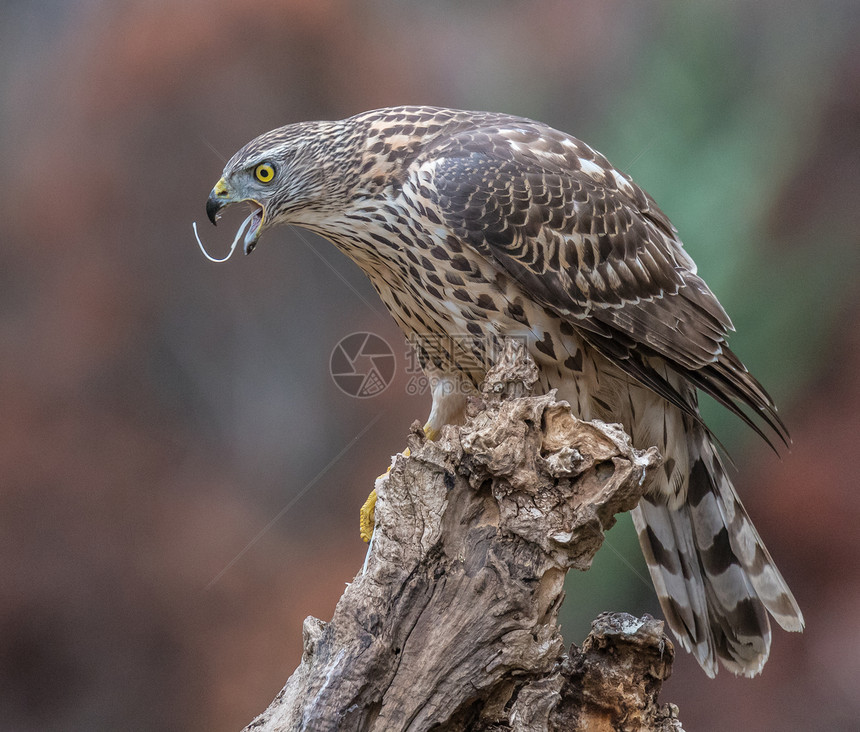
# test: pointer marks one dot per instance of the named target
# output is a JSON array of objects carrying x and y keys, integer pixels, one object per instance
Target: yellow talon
[
  {"x": 367, "y": 514},
  {"x": 367, "y": 517}
]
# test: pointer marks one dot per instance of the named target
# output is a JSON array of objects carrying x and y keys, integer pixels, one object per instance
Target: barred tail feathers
[
  {"x": 666, "y": 538},
  {"x": 714, "y": 577},
  {"x": 748, "y": 547}
]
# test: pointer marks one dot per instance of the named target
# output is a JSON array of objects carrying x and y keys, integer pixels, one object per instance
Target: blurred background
[{"x": 180, "y": 477}]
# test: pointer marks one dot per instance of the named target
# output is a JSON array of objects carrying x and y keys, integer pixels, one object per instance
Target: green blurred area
[
  {"x": 715, "y": 121},
  {"x": 739, "y": 124}
]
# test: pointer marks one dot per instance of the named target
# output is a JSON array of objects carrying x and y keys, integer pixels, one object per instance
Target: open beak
[{"x": 220, "y": 197}]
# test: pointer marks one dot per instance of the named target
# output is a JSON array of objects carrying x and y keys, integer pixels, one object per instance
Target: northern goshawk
[{"x": 475, "y": 226}]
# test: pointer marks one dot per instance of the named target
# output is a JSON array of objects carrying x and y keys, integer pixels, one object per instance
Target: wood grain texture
[{"x": 452, "y": 624}]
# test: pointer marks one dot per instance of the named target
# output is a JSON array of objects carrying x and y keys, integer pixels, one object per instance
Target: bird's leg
[{"x": 367, "y": 514}]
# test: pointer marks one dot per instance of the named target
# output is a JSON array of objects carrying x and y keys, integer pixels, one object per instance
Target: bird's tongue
[{"x": 252, "y": 224}]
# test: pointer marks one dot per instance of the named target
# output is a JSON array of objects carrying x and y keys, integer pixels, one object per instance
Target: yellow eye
[{"x": 264, "y": 173}]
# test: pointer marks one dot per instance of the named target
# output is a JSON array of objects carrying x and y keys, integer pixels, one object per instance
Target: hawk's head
[{"x": 290, "y": 175}]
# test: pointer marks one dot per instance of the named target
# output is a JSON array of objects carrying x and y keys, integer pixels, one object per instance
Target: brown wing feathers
[{"x": 591, "y": 245}]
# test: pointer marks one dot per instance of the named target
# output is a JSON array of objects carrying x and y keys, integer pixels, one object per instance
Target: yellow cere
[{"x": 264, "y": 173}]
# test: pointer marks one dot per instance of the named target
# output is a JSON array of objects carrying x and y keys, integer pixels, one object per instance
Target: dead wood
[{"x": 452, "y": 625}]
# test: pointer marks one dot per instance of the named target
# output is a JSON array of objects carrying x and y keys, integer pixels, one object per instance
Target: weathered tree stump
[{"x": 452, "y": 625}]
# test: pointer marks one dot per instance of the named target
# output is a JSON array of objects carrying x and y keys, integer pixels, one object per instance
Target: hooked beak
[{"x": 220, "y": 197}]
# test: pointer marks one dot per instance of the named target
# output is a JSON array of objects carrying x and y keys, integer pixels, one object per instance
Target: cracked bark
[{"x": 452, "y": 625}]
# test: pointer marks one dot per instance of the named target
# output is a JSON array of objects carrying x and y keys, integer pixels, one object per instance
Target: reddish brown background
[{"x": 164, "y": 419}]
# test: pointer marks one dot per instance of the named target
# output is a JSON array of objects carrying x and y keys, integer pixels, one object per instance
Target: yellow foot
[
  {"x": 367, "y": 517},
  {"x": 367, "y": 514}
]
